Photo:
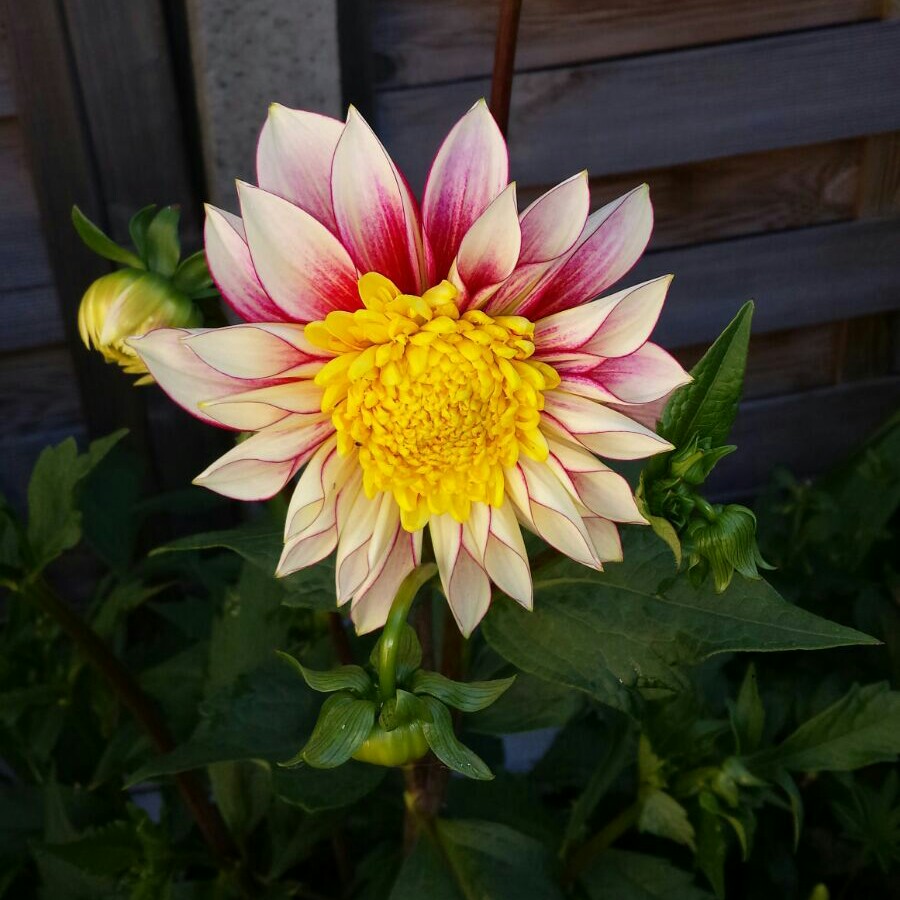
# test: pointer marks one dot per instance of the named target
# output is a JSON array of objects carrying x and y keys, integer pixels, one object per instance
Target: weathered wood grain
[
  {"x": 423, "y": 41},
  {"x": 7, "y": 96},
  {"x": 740, "y": 195},
  {"x": 807, "y": 433},
  {"x": 121, "y": 55},
  {"x": 797, "y": 278},
  {"x": 29, "y": 318},
  {"x": 671, "y": 108}
]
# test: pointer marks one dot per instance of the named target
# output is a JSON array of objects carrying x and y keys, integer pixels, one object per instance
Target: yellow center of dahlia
[{"x": 437, "y": 402}]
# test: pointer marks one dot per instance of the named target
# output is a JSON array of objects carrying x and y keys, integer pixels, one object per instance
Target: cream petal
[
  {"x": 259, "y": 408},
  {"x": 181, "y": 373},
  {"x": 259, "y": 351},
  {"x": 597, "y": 487},
  {"x": 259, "y": 467},
  {"x": 352, "y": 562},
  {"x": 301, "y": 264},
  {"x": 231, "y": 267},
  {"x": 505, "y": 557},
  {"x": 605, "y": 537},
  {"x": 552, "y": 224},
  {"x": 613, "y": 239},
  {"x": 376, "y": 213},
  {"x": 294, "y": 157},
  {"x": 373, "y": 601},
  {"x": 490, "y": 248},
  {"x": 464, "y": 580},
  {"x": 602, "y": 430},
  {"x": 470, "y": 170},
  {"x": 641, "y": 377}
]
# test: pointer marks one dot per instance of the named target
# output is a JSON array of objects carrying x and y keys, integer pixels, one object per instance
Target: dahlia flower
[{"x": 447, "y": 366}]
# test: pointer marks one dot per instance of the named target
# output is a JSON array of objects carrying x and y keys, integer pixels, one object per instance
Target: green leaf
[
  {"x": 860, "y": 729},
  {"x": 442, "y": 739},
  {"x": 636, "y": 625},
  {"x": 265, "y": 714},
  {"x": 243, "y": 791},
  {"x": 469, "y": 697},
  {"x": 317, "y": 789},
  {"x": 102, "y": 245},
  {"x": 469, "y": 860},
  {"x": 748, "y": 716},
  {"x": 409, "y": 654},
  {"x": 163, "y": 246},
  {"x": 311, "y": 588},
  {"x": 708, "y": 405},
  {"x": 54, "y": 519},
  {"x": 624, "y": 875},
  {"x": 661, "y": 814},
  {"x": 137, "y": 228},
  {"x": 530, "y": 703},
  {"x": 343, "y": 726},
  {"x": 795, "y": 801},
  {"x": 712, "y": 850},
  {"x": 192, "y": 275},
  {"x": 343, "y": 678}
]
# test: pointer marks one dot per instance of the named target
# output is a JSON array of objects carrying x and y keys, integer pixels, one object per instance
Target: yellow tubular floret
[{"x": 436, "y": 402}]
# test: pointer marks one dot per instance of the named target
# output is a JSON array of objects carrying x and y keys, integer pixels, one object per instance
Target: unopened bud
[{"x": 126, "y": 303}]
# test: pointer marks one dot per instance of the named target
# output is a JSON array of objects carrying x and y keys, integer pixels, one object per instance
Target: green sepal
[
  {"x": 747, "y": 714},
  {"x": 660, "y": 526},
  {"x": 137, "y": 228},
  {"x": 795, "y": 801},
  {"x": 402, "y": 709},
  {"x": 469, "y": 697},
  {"x": 101, "y": 244},
  {"x": 163, "y": 246},
  {"x": 343, "y": 725},
  {"x": 409, "y": 654},
  {"x": 192, "y": 275},
  {"x": 344, "y": 678},
  {"x": 444, "y": 744}
]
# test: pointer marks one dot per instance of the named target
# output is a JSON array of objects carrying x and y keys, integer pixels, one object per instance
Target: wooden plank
[
  {"x": 7, "y": 97},
  {"x": 60, "y": 157},
  {"x": 423, "y": 41},
  {"x": 671, "y": 108},
  {"x": 741, "y": 195},
  {"x": 29, "y": 318},
  {"x": 797, "y": 278},
  {"x": 121, "y": 55},
  {"x": 782, "y": 362},
  {"x": 38, "y": 392},
  {"x": 806, "y": 433}
]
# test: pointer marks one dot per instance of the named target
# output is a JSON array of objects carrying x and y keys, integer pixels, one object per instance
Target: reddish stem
[{"x": 504, "y": 60}]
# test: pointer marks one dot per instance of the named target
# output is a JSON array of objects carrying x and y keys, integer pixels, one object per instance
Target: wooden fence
[{"x": 768, "y": 130}]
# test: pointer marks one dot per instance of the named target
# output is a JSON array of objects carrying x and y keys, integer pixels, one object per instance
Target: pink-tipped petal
[
  {"x": 503, "y": 553},
  {"x": 604, "y": 492},
  {"x": 621, "y": 320},
  {"x": 605, "y": 536},
  {"x": 294, "y": 156},
  {"x": 376, "y": 214},
  {"x": 231, "y": 267},
  {"x": 543, "y": 505},
  {"x": 552, "y": 224},
  {"x": 364, "y": 541},
  {"x": 181, "y": 373},
  {"x": 259, "y": 467},
  {"x": 611, "y": 243},
  {"x": 647, "y": 414},
  {"x": 490, "y": 248},
  {"x": 469, "y": 171},
  {"x": 301, "y": 264},
  {"x": 631, "y": 321},
  {"x": 641, "y": 377},
  {"x": 465, "y": 582},
  {"x": 602, "y": 430},
  {"x": 263, "y": 407},
  {"x": 258, "y": 351},
  {"x": 373, "y": 601}
]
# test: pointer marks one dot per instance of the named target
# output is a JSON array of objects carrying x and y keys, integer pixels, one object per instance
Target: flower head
[{"x": 451, "y": 366}]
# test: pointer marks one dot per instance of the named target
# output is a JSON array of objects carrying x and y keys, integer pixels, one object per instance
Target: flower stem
[
  {"x": 393, "y": 629},
  {"x": 602, "y": 840},
  {"x": 129, "y": 692},
  {"x": 504, "y": 59}
]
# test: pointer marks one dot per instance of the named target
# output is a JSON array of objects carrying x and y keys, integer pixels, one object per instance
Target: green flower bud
[
  {"x": 722, "y": 540},
  {"x": 404, "y": 744},
  {"x": 131, "y": 302}
]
